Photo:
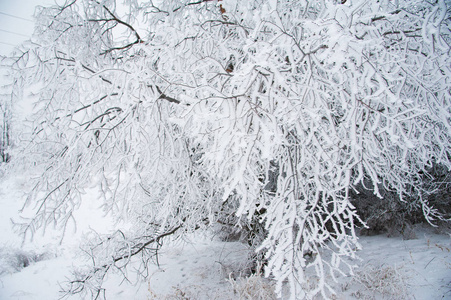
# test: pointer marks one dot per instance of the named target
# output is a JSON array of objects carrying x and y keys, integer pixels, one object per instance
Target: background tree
[
  {"x": 5, "y": 123},
  {"x": 186, "y": 113},
  {"x": 5, "y": 138}
]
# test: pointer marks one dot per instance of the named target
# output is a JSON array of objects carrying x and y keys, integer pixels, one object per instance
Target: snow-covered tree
[
  {"x": 188, "y": 113},
  {"x": 5, "y": 124}
]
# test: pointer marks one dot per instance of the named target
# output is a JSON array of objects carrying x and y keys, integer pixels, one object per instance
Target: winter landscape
[{"x": 226, "y": 149}]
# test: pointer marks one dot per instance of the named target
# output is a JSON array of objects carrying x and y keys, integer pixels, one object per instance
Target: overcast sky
[{"x": 16, "y": 22}]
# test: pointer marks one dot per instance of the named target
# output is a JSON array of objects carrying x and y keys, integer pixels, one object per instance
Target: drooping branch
[
  {"x": 94, "y": 278},
  {"x": 89, "y": 69}
]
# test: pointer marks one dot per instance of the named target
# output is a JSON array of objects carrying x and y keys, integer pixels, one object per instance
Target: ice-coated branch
[{"x": 126, "y": 250}]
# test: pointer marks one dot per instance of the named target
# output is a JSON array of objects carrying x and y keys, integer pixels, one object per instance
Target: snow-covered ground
[
  {"x": 403, "y": 269},
  {"x": 391, "y": 268}
]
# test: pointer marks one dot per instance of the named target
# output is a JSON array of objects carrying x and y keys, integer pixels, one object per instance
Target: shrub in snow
[
  {"x": 267, "y": 114},
  {"x": 437, "y": 186},
  {"x": 387, "y": 215},
  {"x": 254, "y": 287},
  {"x": 394, "y": 217},
  {"x": 13, "y": 260},
  {"x": 381, "y": 281},
  {"x": 185, "y": 293}
]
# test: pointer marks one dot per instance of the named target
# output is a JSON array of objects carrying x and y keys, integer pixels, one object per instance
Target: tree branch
[
  {"x": 163, "y": 96},
  {"x": 118, "y": 21},
  {"x": 192, "y": 3}
]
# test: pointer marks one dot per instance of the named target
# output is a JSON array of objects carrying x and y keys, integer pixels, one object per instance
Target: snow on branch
[
  {"x": 124, "y": 250},
  {"x": 274, "y": 112}
]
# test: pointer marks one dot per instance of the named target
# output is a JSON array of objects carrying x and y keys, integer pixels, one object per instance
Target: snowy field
[{"x": 206, "y": 268}]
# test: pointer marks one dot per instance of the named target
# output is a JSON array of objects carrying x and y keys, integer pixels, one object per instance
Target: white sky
[{"x": 16, "y": 22}]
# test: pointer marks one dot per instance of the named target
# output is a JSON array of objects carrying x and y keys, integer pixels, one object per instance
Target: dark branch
[
  {"x": 138, "y": 38},
  {"x": 163, "y": 96},
  {"x": 118, "y": 21},
  {"x": 192, "y": 3},
  {"x": 144, "y": 245},
  {"x": 121, "y": 48},
  {"x": 383, "y": 17}
]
